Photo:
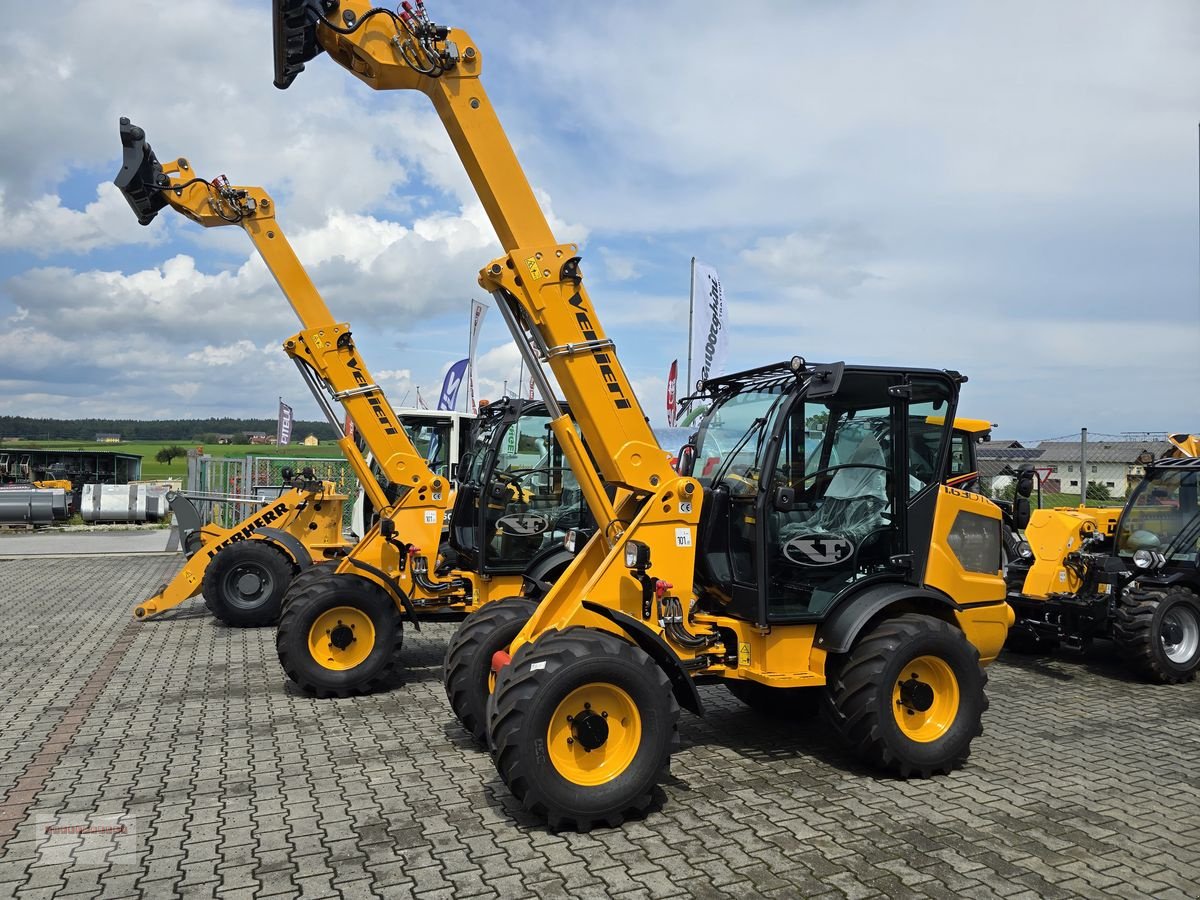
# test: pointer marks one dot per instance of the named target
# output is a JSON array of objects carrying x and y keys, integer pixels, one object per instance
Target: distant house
[
  {"x": 310, "y": 441},
  {"x": 224, "y": 438},
  {"x": 1117, "y": 465},
  {"x": 260, "y": 438},
  {"x": 108, "y": 438}
]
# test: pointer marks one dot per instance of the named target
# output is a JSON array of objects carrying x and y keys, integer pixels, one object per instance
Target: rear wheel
[
  {"x": 1158, "y": 633},
  {"x": 909, "y": 696},
  {"x": 468, "y": 667},
  {"x": 339, "y": 635},
  {"x": 784, "y": 703},
  {"x": 584, "y": 726},
  {"x": 244, "y": 584}
]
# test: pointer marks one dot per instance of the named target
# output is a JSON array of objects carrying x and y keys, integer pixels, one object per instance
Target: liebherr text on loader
[
  {"x": 340, "y": 629},
  {"x": 823, "y": 551}
]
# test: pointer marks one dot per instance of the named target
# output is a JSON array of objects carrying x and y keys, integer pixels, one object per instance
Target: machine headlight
[
  {"x": 637, "y": 555},
  {"x": 1148, "y": 559}
]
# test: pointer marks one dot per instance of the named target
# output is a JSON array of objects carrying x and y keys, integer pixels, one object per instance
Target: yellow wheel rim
[
  {"x": 341, "y": 638},
  {"x": 594, "y": 734},
  {"x": 925, "y": 699}
]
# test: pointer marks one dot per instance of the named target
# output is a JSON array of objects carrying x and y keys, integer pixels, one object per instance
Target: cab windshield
[
  {"x": 1163, "y": 514},
  {"x": 729, "y": 440}
]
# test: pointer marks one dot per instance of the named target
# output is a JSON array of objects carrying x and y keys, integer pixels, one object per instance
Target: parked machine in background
[
  {"x": 340, "y": 627},
  {"x": 1131, "y": 573},
  {"x": 823, "y": 551}
]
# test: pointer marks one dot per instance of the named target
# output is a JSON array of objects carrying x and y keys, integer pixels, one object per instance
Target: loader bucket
[
  {"x": 188, "y": 520},
  {"x": 141, "y": 178},
  {"x": 294, "y": 24}
]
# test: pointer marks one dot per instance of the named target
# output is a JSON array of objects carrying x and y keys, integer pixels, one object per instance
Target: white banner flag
[
  {"x": 709, "y": 337},
  {"x": 283, "y": 435},
  {"x": 478, "y": 311}
]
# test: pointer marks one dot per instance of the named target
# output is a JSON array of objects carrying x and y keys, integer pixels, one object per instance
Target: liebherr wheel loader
[
  {"x": 244, "y": 571},
  {"x": 340, "y": 629},
  {"x": 823, "y": 552},
  {"x": 1131, "y": 574}
]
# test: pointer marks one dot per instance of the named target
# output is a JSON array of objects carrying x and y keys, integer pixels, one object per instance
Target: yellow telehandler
[
  {"x": 340, "y": 629},
  {"x": 822, "y": 551}
]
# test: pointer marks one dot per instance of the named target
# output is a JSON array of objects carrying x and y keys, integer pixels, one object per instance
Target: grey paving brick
[{"x": 242, "y": 788}]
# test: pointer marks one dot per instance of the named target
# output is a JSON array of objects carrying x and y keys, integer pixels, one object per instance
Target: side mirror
[
  {"x": 1021, "y": 511},
  {"x": 1025, "y": 484},
  {"x": 785, "y": 499}
]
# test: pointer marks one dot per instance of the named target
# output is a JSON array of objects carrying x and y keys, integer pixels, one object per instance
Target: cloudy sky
[{"x": 1005, "y": 189}]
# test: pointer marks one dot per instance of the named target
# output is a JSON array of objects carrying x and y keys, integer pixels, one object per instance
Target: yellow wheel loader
[
  {"x": 823, "y": 551},
  {"x": 1130, "y": 574},
  {"x": 341, "y": 625},
  {"x": 244, "y": 571}
]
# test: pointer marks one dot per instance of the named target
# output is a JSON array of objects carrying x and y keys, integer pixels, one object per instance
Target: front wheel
[
  {"x": 339, "y": 635},
  {"x": 583, "y": 730},
  {"x": 244, "y": 584},
  {"x": 468, "y": 667},
  {"x": 909, "y": 696},
  {"x": 1158, "y": 633}
]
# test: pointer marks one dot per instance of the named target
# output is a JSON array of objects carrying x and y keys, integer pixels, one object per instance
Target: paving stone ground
[{"x": 229, "y": 783}]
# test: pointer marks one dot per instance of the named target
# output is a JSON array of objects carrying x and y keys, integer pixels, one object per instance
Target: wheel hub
[
  {"x": 1172, "y": 632},
  {"x": 590, "y": 729},
  {"x": 925, "y": 698},
  {"x": 915, "y": 694},
  {"x": 249, "y": 584},
  {"x": 341, "y": 636}
]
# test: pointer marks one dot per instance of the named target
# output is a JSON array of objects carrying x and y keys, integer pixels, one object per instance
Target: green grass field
[{"x": 177, "y": 468}]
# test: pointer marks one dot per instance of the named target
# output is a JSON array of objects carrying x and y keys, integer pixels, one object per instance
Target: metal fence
[{"x": 224, "y": 485}]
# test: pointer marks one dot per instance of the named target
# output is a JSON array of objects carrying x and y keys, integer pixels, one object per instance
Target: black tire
[
  {"x": 863, "y": 709},
  {"x": 321, "y": 596},
  {"x": 529, "y": 691},
  {"x": 304, "y": 577},
  {"x": 468, "y": 664},
  {"x": 1157, "y": 632},
  {"x": 244, "y": 584},
  {"x": 778, "y": 703}
]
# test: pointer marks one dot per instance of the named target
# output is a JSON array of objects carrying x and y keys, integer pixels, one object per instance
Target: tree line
[{"x": 206, "y": 431}]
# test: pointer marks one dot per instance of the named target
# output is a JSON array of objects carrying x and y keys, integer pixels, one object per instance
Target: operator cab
[
  {"x": 813, "y": 491},
  {"x": 517, "y": 497},
  {"x": 1160, "y": 525}
]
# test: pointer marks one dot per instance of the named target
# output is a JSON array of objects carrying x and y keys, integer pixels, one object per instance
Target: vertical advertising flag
[
  {"x": 448, "y": 398},
  {"x": 478, "y": 311},
  {"x": 672, "y": 380},
  {"x": 283, "y": 435},
  {"x": 348, "y": 426},
  {"x": 708, "y": 341}
]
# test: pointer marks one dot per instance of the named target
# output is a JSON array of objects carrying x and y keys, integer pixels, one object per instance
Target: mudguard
[
  {"x": 288, "y": 542},
  {"x": 682, "y": 683},
  {"x": 545, "y": 564},
  {"x": 837, "y": 633}
]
